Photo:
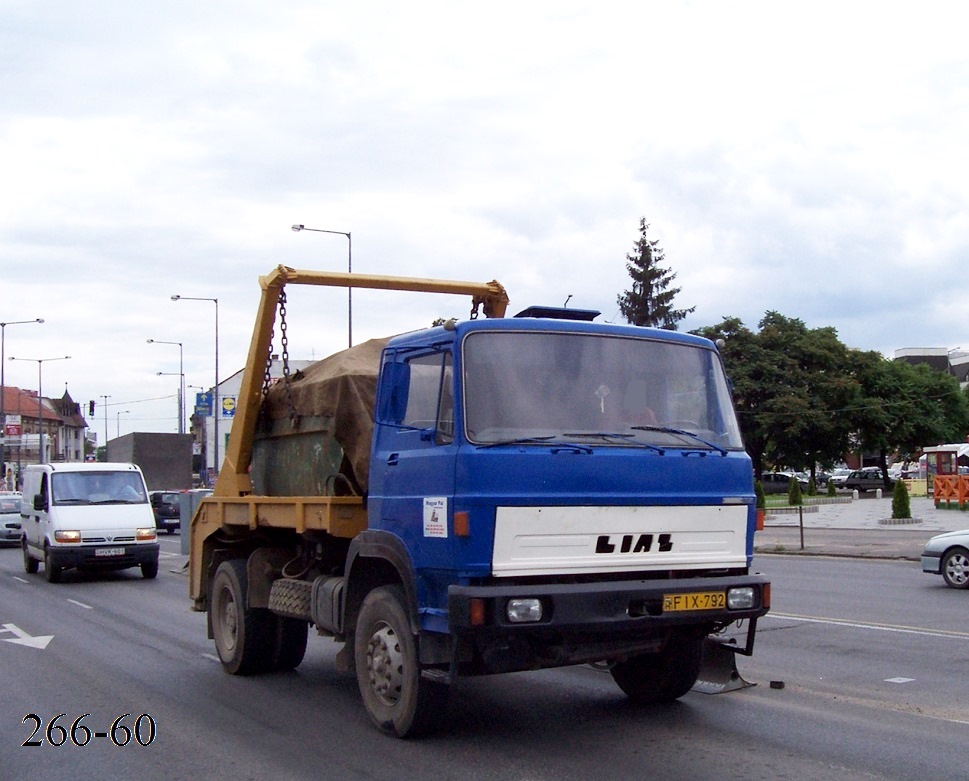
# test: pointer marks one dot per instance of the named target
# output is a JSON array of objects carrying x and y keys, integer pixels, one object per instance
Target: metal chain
[{"x": 284, "y": 344}]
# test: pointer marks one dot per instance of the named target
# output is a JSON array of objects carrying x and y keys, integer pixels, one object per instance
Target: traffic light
[{"x": 90, "y": 408}]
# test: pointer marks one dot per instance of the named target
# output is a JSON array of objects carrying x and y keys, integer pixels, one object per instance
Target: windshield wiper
[
  {"x": 683, "y": 433},
  {"x": 550, "y": 439},
  {"x": 626, "y": 438}
]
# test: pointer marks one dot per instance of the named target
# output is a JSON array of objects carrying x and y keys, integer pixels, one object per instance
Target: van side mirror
[{"x": 40, "y": 502}]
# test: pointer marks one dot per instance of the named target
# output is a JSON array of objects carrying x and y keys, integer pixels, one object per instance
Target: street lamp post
[
  {"x": 181, "y": 429},
  {"x": 118, "y": 420},
  {"x": 104, "y": 406},
  {"x": 297, "y": 229},
  {"x": 3, "y": 393},
  {"x": 40, "y": 400},
  {"x": 216, "y": 411},
  {"x": 181, "y": 383}
]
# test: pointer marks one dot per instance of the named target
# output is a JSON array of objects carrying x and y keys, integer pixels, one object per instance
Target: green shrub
[
  {"x": 900, "y": 505},
  {"x": 794, "y": 497},
  {"x": 812, "y": 489},
  {"x": 759, "y": 491},
  {"x": 831, "y": 489}
]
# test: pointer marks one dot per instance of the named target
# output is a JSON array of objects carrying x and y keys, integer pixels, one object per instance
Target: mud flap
[{"x": 718, "y": 669}]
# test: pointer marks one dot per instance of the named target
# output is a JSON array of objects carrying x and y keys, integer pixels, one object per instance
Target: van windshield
[{"x": 98, "y": 488}]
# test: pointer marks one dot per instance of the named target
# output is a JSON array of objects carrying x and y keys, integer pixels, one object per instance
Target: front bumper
[
  {"x": 584, "y": 622},
  {"x": 87, "y": 555},
  {"x": 932, "y": 563}
]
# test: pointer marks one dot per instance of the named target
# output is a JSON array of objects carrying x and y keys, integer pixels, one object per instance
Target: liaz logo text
[{"x": 633, "y": 543}]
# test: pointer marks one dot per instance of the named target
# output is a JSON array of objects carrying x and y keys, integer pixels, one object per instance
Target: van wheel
[
  {"x": 398, "y": 699},
  {"x": 149, "y": 570},
  {"x": 245, "y": 637},
  {"x": 52, "y": 571},
  {"x": 30, "y": 563}
]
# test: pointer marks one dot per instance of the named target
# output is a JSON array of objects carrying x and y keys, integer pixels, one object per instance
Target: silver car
[
  {"x": 948, "y": 555},
  {"x": 9, "y": 518}
]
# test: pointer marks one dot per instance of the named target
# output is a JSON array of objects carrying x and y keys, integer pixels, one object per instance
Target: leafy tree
[
  {"x": 650, "y": 301},
  {"x": 791, "y": 386}
]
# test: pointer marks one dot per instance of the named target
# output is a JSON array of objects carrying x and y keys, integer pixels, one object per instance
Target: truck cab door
[{"x": 412, "y": 465}]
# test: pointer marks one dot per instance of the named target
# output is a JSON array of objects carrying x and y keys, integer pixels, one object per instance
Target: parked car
[
  {"x": 780, "y": 482},
  {"x": 838, "y": 477},
  {"x": 166, "y": 505},
  {"x": 948, "y": 555},
  {"x": 868, "y": 478},
  {"x": 9, "y": 518}
]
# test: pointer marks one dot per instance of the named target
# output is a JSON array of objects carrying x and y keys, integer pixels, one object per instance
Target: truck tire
[
  {"x": 245, "y": 637},
  {"x": 51, "y": 571},
  {"x": 398, "y": 699},
  {"x": 31, "y": 564},
  {"x": 661, "y": 677},
  {"x": 290, "y": 646}
]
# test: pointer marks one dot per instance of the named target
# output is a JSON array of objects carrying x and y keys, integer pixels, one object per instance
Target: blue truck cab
[{"x": 563, "y": 492}]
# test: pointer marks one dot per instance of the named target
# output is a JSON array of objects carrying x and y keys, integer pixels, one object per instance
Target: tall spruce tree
[{"x": 650, "y": 301}]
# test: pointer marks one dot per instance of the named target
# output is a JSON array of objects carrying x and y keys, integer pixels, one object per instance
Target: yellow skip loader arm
[
  {"x": 233, "y": 479},
  {"x": 232, "y": 502}
]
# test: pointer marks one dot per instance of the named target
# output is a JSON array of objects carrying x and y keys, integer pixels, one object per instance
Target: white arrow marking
[{"x": 22, "y": 638}]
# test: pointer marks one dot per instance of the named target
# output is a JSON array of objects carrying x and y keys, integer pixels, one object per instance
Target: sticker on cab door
[{"x": 435, "y": 516}]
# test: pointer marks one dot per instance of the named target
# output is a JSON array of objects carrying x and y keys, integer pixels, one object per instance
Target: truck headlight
[
  {"x": 144, "y": 535},
  {"x": 741, "y": 598},
  {"x": 524, "y": 611},
  {"x": 67, "y": 535}
]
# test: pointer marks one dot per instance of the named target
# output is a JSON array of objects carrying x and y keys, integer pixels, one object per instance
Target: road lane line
[
  {"x": 80, "y": 604},
  {"x": 909, "y": 630}
]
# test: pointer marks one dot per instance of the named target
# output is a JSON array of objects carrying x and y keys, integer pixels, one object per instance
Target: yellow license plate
[{"x": 698, "y": 600}]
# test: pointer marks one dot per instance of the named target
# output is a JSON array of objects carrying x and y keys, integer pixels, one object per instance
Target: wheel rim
[
  {"x": 228, "y": 620},
  {"x": 957, "y": 569},
  {"x": 385, "y": 665}
]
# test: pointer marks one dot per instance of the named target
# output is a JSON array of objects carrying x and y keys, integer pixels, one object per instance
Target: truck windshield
[
  {"x": 595, "y": 389},
  {"x": 105, "y": 487}
]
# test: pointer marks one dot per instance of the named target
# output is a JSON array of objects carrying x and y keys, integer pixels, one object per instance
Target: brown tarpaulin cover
[{"x": 344, "y": 387}]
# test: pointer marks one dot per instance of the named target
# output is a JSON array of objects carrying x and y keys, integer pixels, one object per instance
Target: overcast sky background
[{"x": 808, "y": 159}]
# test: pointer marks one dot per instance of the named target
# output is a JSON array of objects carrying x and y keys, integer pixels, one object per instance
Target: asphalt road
[{"x": 840, "y": 632}]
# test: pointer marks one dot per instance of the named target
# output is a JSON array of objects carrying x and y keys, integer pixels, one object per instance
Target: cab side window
[{"x": 430, "y": 398}]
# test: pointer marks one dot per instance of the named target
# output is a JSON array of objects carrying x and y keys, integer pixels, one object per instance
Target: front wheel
[
  {"x": 51, "y": 570},
  {"x": 149, "y": 570},
  {"x": 31, "y": 564},
  {"x": 398, "y": 699},
  {"x": 955, "y": 568},
  {"x": 664, "y": 676}
]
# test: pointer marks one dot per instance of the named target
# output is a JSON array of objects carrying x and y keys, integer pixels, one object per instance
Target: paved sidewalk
[{"x": 863, "y": 527}]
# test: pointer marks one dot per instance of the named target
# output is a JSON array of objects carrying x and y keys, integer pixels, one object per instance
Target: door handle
[{"x": 393, "y": 459}]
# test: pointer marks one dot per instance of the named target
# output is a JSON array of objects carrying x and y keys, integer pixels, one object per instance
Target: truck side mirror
[
  {"x": 40, "y": 502},
  {"x": 394, "y": 387}
]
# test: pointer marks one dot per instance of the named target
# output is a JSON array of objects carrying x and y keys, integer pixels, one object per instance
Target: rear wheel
[
  {"x": 244, "y": 636},
  {"x": 31, "y": 564},
  {"x": 955, "y": 568},
  {"x": 290, "y": 646},
  {"x": 663, "y": 676},
  {"x": 398, "y": 699}
]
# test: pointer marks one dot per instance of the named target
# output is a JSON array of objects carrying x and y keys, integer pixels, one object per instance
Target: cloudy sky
[{"x": 805, "y": 158}]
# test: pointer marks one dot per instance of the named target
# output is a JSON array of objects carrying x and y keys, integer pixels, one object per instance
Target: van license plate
[
  {"x": 109, "y": 551},
  {"x": 700, "y": 600}
]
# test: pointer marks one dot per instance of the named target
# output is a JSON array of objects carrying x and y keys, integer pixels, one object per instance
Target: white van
[{"x": 87, "y": 515}]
